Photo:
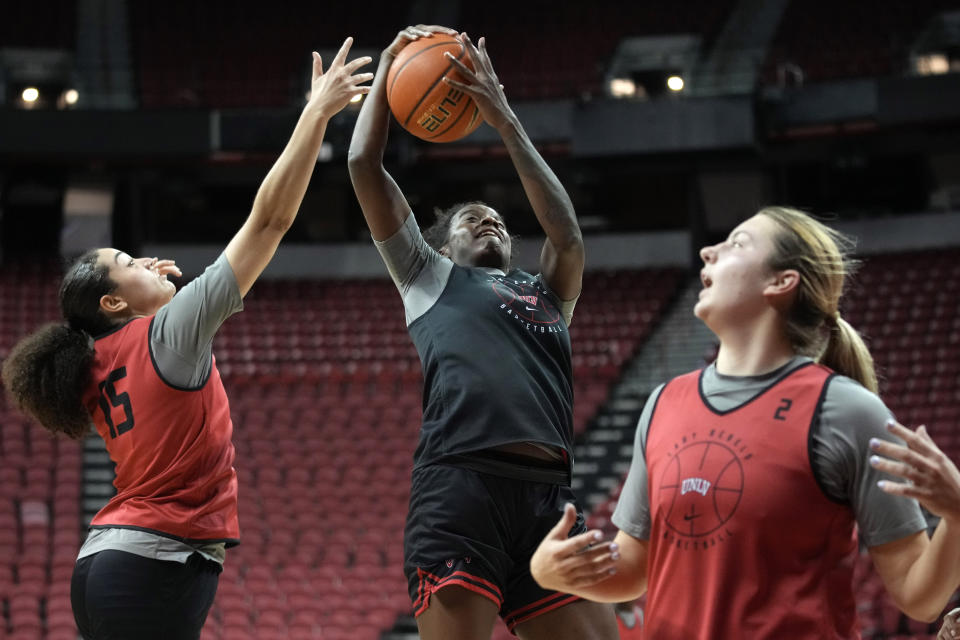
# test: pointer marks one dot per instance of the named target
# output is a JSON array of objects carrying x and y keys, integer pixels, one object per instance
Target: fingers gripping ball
[{"x": 423, "y": 104}]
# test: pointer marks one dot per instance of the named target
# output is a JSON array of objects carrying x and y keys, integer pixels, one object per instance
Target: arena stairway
[{"x": 678, "y": 344}]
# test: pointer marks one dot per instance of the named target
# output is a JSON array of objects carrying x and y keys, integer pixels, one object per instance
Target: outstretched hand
[
  {"x": 331, "y": 91},
  {"x": 564, "y": 564},
  {"x": 928, "y": 474},
  {"x": 481, "y": 83}
]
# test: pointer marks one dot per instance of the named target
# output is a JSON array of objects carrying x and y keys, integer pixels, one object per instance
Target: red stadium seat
[{"x": 324, "y": 457}]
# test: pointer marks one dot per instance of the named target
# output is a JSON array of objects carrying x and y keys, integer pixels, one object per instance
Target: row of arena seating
[
  {"x": 907, "y": 306},
  {"x": 246, "y": 53},
  {"x": 324, "y": 451},
  {"x": 325, "y": 458},
  {"x": 837, "y": 40},
  {"x": 40, "y": 485},
  {"x": 40, "y": 482},
  {"x": 200, "y": 54},
  {"x": 568, "y": 53},
  {"x": 326, "y": 408},
  {"x": 565, "y": 57}
]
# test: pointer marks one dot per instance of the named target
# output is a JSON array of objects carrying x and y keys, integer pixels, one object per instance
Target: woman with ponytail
[
  {"x": 751, "y": 478},
  {"x": 48, "y": 372},
  {"x": 133, "y": 359}
]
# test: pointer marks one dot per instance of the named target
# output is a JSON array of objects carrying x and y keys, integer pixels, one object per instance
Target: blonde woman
[{"x": 751, "y": 477}]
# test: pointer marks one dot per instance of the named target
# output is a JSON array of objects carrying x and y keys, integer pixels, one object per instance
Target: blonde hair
[{"x": 814, "y": 326}]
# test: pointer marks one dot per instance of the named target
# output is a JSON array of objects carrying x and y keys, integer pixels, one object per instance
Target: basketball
[{"x": 421, "y": 102}]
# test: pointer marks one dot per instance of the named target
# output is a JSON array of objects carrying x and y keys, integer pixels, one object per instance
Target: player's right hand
[
  {"x": 564, "y": 564},
  {"x": 408, "y": 35}
]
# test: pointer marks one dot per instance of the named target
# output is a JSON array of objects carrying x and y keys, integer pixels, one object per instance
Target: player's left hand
[
  {"x": 481, "y": 84},
  {"x": 928, "y": 474},
  {"x": 951, "y": 626}
]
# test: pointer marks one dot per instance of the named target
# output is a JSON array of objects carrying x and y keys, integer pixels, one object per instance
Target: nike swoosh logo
[
  {"x": 531, "y": 308},
  {"x": 689, "y": 518}
]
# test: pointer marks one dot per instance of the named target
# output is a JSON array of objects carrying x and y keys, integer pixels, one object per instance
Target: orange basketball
[{"x": 421, "y": 101}]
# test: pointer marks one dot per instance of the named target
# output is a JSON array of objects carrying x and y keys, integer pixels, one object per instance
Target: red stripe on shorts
[
  {"x": 430, "y": 584},
  {"x": 545, "y": 605}
]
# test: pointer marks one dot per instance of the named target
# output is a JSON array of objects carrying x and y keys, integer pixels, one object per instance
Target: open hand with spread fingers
[
  {"x": 482, "y": 84},
  {"x": 331, "y": 91},
  {"x": 564, "y": 564},
  {"x": 951, "y": 626},
  {"x": 928, "y": 474}
]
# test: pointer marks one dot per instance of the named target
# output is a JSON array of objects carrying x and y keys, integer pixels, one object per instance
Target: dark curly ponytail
[{"x": 48, "y": 371}]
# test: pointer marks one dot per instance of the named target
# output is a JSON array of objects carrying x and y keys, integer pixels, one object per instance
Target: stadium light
[
  {"x": 933, "y": 64},
  {"x": 70, "y": 96},
  {"x": 622, "y": 88},
  {"x": 30, "y": 95},
  {"x": 675, "y": 83}
]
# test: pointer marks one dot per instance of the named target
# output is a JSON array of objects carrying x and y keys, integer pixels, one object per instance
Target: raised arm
[
  {"x": 561, "y": 260},
  {"x": 278, "y": 199},
  {"x": 920, "y": 573},
  {"x": 383, "y": 204}
]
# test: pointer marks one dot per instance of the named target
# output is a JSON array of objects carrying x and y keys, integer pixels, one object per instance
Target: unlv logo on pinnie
[
  {"x": 525, "y": 302},
  {"x": 701, "y": 487}
]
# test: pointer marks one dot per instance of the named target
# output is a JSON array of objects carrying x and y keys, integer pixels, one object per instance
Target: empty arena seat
[
  {"x": 274, "y": 73},
  {"x": 832, "y": 41},
  {"x": 324, "y": 457},
  {"x": 324, "y": 454}
]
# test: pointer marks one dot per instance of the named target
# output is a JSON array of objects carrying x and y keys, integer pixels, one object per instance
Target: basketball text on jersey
[
  {"x": 527, "y": 303},
  {"x": 708, "y": 498}
]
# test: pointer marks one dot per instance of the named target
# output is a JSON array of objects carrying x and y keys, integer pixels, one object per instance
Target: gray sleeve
[
  {"x": 182, "y": 333},
  {"x": 419, "y": 272},
  {"x": 632, "y": 515},
  {"x": 851, "y": 415}
]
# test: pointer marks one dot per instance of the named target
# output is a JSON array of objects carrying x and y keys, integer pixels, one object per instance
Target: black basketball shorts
[{"x": 478, "y": 531}]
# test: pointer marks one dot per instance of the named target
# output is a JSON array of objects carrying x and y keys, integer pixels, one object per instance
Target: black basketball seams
[
  {"x": 430, "y": 89},
  {"x": 689, "y": 464},
  {"x": 476, "y": 111},
  {"x": 404, "y": 66}
]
